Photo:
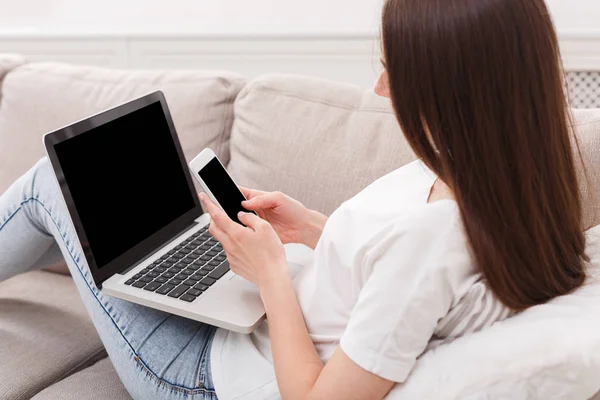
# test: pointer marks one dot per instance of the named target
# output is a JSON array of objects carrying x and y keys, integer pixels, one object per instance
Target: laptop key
[
  {"x": 187, "y": 297},
  {"x": 209, "y": 267},
  {"x": 205, "y": 258},
  {"x": 137, "y": 276},
  {"x": 214, "y": 263},
  {"x": 159, "y": 269},
  {"x": 146, "y": 279},
  {"x": 139, "y": 284},
  {"x": 177, "y": 256},
  {"x": 161, "y": 279},
  {"x": 152, "y": 274},
  {"x": 175, "y": 269},
  {"x": 220, "y": 257},
  {"x": 194, "y": 292},
  {"x": 208, "y": 281},
  {"x": 212, "y": 253},
  {"x": 130, "y": 281},
  {"x": 201, "y": 287},
  {"x": 175, "y": 282},
  {"x": 220, "y": 271},
  {"x": 172, "y": 252},
  {"x": 189, "y": 282},
  {"x": 201, "y": 273},
  {"x": 168, "y": 274},
  {"x": 185, "y": 251},
  {"x": 152, "y": 286},
  {"x": 178, "y": 291},
  {"x": 164, "y": 289},
  {"x": 205, "y": 247},
  {"x": 195, "y": 277}
]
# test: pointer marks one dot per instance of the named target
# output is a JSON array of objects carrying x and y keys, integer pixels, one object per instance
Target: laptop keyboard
[{"x": 187, "y": 271}]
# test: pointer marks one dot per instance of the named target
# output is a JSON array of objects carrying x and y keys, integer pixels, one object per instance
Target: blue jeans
[{"x": 157, "y": 355}]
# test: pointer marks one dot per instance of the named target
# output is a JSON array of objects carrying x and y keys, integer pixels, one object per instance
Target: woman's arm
[
  {"x": 313, "y": 228},
  {"x": 299, "y": 370},
  {"x": 256, "y": 253}
]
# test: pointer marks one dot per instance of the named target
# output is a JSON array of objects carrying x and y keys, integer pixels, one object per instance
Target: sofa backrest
[
  {"x": 318, "y": 141},
  {"x": 8, "y": 62},
  {"x": 322, "y": 142},
  {"x": 41, "y": 97}
]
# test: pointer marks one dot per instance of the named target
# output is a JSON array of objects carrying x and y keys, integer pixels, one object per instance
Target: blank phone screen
[{"x": 223, "y": 188}]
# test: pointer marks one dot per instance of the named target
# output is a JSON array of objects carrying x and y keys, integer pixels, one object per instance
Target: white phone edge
[{"x": 200, "y": 162}]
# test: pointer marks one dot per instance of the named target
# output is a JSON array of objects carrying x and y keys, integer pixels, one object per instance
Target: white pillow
[{"x": 548, "y": 352}]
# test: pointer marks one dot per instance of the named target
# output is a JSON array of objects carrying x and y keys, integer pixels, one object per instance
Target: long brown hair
[{"x": 477, "y": 86}]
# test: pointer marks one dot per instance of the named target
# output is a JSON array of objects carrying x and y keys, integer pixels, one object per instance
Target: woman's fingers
[
  {"x": 265, "y": 201},
  {"x": 251, "y": 193},
  {"x": 218, "y": 233},
  {"x": 218, "y": 217},
  {"x": 251, "y": 220}
]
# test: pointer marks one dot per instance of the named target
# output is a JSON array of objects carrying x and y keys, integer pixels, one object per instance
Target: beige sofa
[{"x": 321, "y": 142}]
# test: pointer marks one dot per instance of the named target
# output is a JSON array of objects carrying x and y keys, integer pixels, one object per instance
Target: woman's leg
[{"x": 157, "y": 355}]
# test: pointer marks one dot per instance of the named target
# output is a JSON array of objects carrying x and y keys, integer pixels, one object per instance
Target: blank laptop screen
[{"x": 126, "y": 180}]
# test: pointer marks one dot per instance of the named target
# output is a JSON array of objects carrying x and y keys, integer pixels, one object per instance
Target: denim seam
[
  {"x": 174, "y": 387},
  {"x": 11, "y": 216},
  {"x": 204, "y": 356},
  {"x": 168, "y": 385}
]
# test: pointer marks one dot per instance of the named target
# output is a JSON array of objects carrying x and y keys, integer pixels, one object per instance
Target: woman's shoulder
[
  {"x": 393, "y": 195},
  {"x": 434, "y": 225}
]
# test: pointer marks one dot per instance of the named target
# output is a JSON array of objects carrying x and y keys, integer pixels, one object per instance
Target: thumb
[
  {"x": 251, "y": 220},
  {"x": 261, "y": 202}
]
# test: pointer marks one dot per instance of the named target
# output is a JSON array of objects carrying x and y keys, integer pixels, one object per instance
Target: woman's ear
[{"x": 382, "y": 86}]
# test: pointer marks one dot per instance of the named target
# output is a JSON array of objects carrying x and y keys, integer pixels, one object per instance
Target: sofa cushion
[
  {"x": 97, "y": 382},
  {"x": 45, "y": 333},
  {"x": 322, "y": 142},
  {"x": 9, "y": 62},
  {"x": 318, "y": 141},
  {"x": 587, "y": 126},
  {"x": 41, "y": 97}
]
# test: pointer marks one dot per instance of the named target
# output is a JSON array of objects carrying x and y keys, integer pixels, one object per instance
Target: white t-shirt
[{"x": 392, "y": 277}]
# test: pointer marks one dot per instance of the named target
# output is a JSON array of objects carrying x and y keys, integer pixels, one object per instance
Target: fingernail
[
  {"x": 241, "y": 214},
  {"x": 202, "y": 196}
]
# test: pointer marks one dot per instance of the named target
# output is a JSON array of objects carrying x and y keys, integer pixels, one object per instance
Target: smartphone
[{"x": 217, "y": 183}]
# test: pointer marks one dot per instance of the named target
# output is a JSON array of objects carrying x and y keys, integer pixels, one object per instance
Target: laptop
[{"x": 132, "y": 201}]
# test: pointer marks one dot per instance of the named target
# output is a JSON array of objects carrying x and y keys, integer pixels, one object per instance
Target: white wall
[
  {"x": 231, "y": 16},
  {"x": 576, "y": 16},
  {"x": 192, "y": 16}
]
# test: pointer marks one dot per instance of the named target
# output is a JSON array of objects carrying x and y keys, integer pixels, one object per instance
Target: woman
[{"x": 486, "y": 223}]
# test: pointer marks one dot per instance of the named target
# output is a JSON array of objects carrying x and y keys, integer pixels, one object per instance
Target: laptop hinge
[{"x": 166, "y": 244}]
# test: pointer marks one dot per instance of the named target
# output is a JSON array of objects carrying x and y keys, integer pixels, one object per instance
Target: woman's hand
[
  {"x": 254, "y": 251},
  {"x": 293, "y": 222}
]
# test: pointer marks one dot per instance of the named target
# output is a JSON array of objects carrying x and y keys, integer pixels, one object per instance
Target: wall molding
[{"x": 344, "y": 57}]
